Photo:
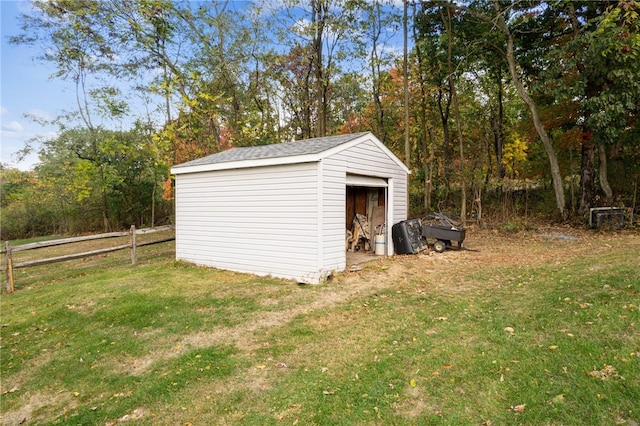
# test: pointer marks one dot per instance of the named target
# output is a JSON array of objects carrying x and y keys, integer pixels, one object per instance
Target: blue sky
[{"x": 25, "y": 89}]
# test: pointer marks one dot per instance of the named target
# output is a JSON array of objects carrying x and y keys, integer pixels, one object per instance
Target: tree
[
  {"x": 28, "y": 205},
  {"x": 556, "y": 177},
  {"x": 433, "y": 53},
  {"x": 375, "y": 19},
  {"x": 71, "y": 163},
  {"x": 594, "y": 83},
  {"x": 448, "y": 22},
  {"x": 610, "y": 75},
  {"x": 322, "y": 39},
  {"x": 77, "y": 43}
]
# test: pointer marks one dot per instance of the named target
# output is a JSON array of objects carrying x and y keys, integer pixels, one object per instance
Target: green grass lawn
[{"x": 524, "y": 331}]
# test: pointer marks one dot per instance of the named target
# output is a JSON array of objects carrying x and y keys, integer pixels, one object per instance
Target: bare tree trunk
[
  {"x": 427, "y": 165},
  {"x": 586, "y": 177},
  {"x": 446, "y": 138},
  {"x": 498, "y": 131},
  {"x": 407, "y": 146},
  {"x": 456, "y": 109},
  {"x": 318, "y": 20},
  {"x": 376, "y": 80},
  {"x": 426, "y": 146},
  {"x": 551, "y": 154},
  {"x": 153, "y": 202},
  {"x": 105, "y": 205},
  {"x": 478, "y": 202},
  {"x": 428, "y": 177},
  {"x": 633, "y": 203},
  {"x": 85, "y": 115},
  {"x": 602, "y": 173}
]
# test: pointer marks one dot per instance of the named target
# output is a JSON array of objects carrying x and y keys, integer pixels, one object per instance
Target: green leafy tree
[{"x": 606, "y": 85}]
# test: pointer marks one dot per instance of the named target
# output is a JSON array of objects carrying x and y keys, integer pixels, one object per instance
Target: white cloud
[
  {"x": 12, "y": 126},
  {"x": 4, "y": 111}
]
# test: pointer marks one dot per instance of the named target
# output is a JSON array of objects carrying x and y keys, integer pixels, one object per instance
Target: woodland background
[{"x": 501, "y": 109}]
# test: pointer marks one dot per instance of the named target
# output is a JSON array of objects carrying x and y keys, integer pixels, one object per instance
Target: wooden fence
[{"x": 133, "y": 245}]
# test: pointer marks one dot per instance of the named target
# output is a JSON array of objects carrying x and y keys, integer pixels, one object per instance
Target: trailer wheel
[{"x": 439, "y": 246}]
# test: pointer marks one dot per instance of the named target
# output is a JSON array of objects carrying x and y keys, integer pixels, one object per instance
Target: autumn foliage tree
[{"x": 502, "y": 95}]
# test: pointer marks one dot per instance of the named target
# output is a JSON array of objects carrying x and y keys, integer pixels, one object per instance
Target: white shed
[{"x": 283, "y": 209}]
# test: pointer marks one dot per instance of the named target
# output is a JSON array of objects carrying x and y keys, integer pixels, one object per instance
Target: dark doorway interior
[
  {"x": 369, "y": 202},
  {"x": 357, "y": 202}
]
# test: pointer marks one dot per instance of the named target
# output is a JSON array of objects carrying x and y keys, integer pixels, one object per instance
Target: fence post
[
  {"x": 133, "y": 245},
  {"x": 9, "y": 258}
]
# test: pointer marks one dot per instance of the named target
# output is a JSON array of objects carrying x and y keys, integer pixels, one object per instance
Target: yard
[{"x": 536, "y": 327}]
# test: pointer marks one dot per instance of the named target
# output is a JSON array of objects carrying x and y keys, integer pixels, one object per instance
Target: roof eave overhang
[{"x": 243, "y": 164}]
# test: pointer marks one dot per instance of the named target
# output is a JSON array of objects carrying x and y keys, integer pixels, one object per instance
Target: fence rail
[{"x": 133, "y": 245}]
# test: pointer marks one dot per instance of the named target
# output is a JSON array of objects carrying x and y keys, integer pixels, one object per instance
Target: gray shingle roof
[{"x": 287, "y": 149}]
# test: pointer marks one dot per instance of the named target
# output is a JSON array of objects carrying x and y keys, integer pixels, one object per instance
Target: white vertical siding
[
  {"x": 260, "y": 220},
  {"x": 334, "y": 194}
]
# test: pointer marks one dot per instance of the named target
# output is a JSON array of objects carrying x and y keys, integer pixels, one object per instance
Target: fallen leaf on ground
[
  {"x": 12, "y": 390},
  {"x": 518, "y": 408},
  {"x": 607, "y": 372}
]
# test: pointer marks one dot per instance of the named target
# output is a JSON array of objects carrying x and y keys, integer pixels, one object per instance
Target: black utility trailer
[{"x": 443, "y": 233}]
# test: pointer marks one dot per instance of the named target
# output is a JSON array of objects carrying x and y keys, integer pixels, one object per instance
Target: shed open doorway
[{"x": 365, "y": 197}]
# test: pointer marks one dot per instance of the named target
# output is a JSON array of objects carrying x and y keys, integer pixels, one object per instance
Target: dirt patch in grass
[
  {"x": 40, "y": 402},
  {"x": 415, "y": 403},
  {"x": 440, "y": 272}
]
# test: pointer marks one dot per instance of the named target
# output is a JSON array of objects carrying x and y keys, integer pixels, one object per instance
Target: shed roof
[
  {"x": 281, "y": 153},
  {"x": 277, "y": 150}
]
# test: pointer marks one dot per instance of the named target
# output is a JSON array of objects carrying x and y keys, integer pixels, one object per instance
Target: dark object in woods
[
  {"x": 606, "y": 218},
  {"x": 407, "y": 237}
]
